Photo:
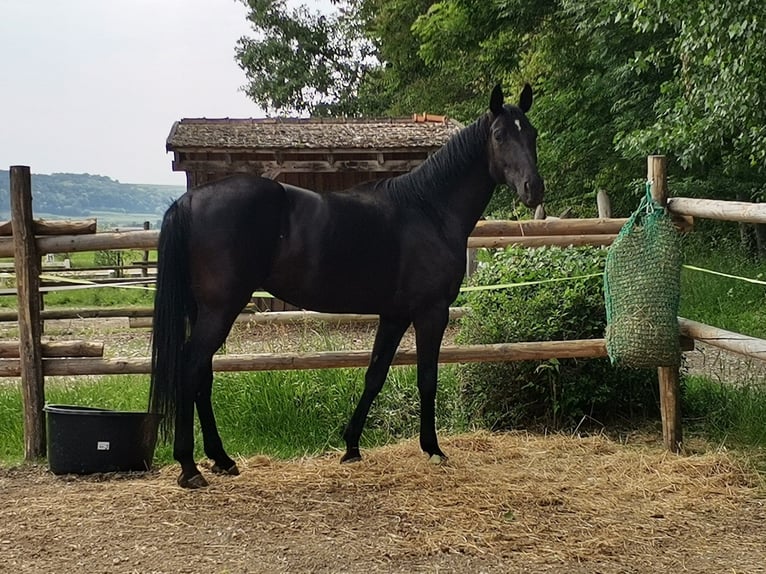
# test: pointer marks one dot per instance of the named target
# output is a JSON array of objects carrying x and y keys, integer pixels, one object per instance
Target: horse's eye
[{"x": 499, "y": 135}]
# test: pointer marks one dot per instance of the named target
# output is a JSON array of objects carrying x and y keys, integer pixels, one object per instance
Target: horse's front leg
[
  {"x": 429, "y": 332},
  {"x": 387, "y": 338}
]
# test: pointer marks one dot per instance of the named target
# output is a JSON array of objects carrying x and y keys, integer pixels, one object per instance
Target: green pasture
[{"x": 99, "y": 297}]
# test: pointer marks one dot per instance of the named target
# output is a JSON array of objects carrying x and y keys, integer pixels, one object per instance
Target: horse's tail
[{"x": 173, "y": 306}]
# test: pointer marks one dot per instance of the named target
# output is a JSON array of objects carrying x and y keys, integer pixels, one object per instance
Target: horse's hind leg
[
  {"x": 387, "y": 338},
  {"x": 429, "y": 331},
  {"x": 208, "y": 334},
  {"x": 223, "y": 464}
]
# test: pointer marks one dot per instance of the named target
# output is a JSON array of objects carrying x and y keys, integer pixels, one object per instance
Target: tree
[
  {"x": 712, "y": 109},
  {"x": 613, "y": 80},
  {"x": 302, "y": 60}
]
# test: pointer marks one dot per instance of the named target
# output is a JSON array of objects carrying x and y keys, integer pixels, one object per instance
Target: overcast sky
[{"x": 94, "y": 86}]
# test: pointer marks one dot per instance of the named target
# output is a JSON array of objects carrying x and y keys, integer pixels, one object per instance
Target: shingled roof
[
  {"x": 316, "y": 153},
  {"x": 419, "y": 131}
]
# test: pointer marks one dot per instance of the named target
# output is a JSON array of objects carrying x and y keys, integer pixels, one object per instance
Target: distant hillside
[{"x": 72, "y": 195}]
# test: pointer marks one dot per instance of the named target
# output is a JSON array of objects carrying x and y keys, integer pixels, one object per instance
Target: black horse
[{"x": 394, "y": 247}]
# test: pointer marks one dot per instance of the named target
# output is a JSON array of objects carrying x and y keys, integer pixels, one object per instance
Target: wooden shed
[{"x": 322, "y": 154}]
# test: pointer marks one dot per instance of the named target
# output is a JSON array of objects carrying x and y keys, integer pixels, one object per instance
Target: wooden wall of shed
[{"x": 332, "y": 181}]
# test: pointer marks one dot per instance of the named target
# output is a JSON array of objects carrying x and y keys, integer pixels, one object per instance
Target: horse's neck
[
  {"x": 468, "y": 197},
  {"x": 455, "y": 182}
]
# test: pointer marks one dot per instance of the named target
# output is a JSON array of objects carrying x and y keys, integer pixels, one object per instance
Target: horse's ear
[
  {"x": 496, "y": 100},
  {"x": 525, "y": 99}
]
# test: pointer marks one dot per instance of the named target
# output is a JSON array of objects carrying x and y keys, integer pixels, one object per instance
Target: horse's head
[{"x": 513, "y": 147}]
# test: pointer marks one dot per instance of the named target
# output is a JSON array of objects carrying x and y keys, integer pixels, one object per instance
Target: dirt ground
[
  {"x": 512, "y": 503},
  {"x": 501, "y": 503}
]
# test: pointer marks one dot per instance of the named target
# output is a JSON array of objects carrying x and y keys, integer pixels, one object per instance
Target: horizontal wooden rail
[
  {"x": 64, "y": 270},
  {"x": 584, "y": 226},
  {"x": 54, "y": 227},
  {"x": 583, "y": 348},
  {"x": 246, "y": 315},
  {"x": 10, "y": 349},
  {"x": 739, "y": 211},
  {"x": 542, "y": 240},
  {"x": 722, "y": 339},
  {"x": 87, "y": 313},
  {"x": 95, "y": 242},
  {"x": 530, "y": 232},
  {"x": 286, "y": 317}
]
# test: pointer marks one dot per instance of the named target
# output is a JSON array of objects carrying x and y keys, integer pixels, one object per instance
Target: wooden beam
[
  {"x": 669, "y": 378},
  {"x": 148, "y": 240},
  {"x": 604, "y": 204},
  {"x": 86, "y": 313},
  {"x": 27, "y": 264},
  {"x": 10, "y": 349},
  {"x": 541, "y": 240},
  {"x": 722, "y": 339},
  {"x": 740, "y": 211},
  {"x": 54, "y": 227},
  {"x": 250, "y": 154},
  {"x": 286, "y": 317},
  {"x": 527, "y": 227},
  {"x": 96, "y": 242},
  {"x": 585, "y": 348}
]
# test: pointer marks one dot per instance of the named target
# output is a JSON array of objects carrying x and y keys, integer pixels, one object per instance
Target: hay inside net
[{"x": 642, "y": 285}]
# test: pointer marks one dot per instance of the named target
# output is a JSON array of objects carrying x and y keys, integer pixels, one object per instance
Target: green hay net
[{"x": 642, "y": 284}]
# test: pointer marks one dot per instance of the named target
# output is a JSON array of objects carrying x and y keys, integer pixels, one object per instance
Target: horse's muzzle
[{"x": 533, "y": 192}]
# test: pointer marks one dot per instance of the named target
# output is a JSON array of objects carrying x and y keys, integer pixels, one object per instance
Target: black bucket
[{"x": 84, "y": 440}]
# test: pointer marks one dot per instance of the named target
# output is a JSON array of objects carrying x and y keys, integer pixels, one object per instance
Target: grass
[
  {"x": 284, "y": 414},
  {"x": 726, "y": 303},
  {"x": 100, "y": 297},
  {"x": 728, "y": 414}
]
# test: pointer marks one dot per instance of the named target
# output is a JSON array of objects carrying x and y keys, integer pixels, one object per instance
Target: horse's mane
[{"x": 443, "y": 168}]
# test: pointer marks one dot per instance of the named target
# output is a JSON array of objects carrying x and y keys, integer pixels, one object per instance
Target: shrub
[
  {"x": 116, "y": 257},
  {"x": 553, "y": 393}
]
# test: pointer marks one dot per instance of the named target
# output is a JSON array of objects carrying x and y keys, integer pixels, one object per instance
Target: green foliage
[
  {"x": 710, "y": 110},
  {"x": 555, "y": 393},
  {"x": 115, "y": 257},
  {"x": 614, "y": 81},
  {"x": 85, "y": 195},
  {"x": 302, "y": 59}
]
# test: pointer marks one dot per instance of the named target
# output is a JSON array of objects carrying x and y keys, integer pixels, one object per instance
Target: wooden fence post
[
  {"x": 145, "y": 260},
  {"x": 669, "y": 380},
  {"x": 604, "y": 204},
  {"x": 27, "y": 263}
]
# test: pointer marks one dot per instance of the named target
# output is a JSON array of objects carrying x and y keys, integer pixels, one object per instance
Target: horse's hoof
[
  {"x": 351, "y": 456},
  {"x": 193, "y": 482},
  {"x": 231, "y": 471},
  {"x": 437, "y": 458}
]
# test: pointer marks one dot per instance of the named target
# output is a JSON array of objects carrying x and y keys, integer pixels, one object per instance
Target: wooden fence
[{"x": 30, "y": 240}]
